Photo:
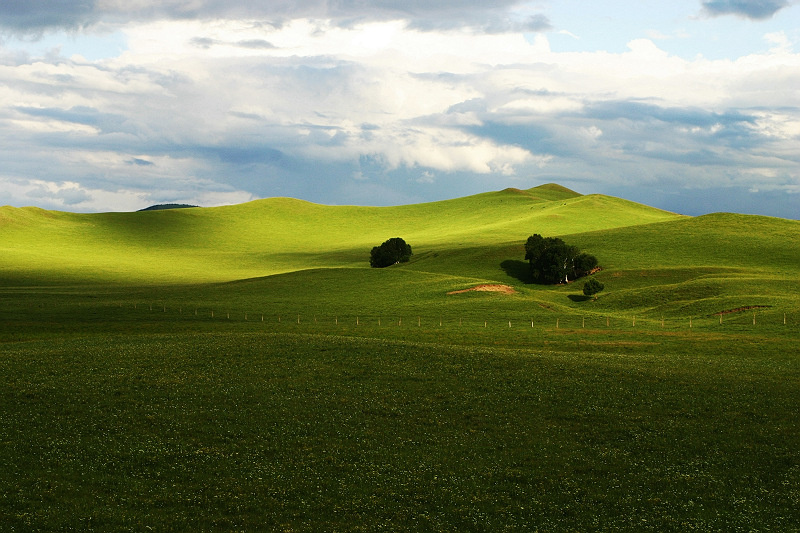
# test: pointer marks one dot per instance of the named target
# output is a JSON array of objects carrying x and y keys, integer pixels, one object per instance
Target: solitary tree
[
  {"x": 554, "y": 261},
  {"x": 592, "y": 287},
  {"x": 391, "y": 252}
]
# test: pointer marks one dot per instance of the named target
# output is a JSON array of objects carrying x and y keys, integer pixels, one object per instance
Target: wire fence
[
  {"x": 761, "y": 316},
  {"x": 742, "y": 318}
]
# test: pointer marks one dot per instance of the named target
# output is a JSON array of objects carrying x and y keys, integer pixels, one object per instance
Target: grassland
[
  {"x": 241, "y": 368},
  {"x": 279, "y": 235}
]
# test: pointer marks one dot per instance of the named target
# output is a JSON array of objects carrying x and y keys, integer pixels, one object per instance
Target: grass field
[{"x": 241, "y": 368}]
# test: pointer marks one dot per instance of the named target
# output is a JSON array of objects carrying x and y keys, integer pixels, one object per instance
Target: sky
[{"x": 113, "y": 105}]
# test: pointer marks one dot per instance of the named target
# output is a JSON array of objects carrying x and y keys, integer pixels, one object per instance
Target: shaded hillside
[{"x": 282, "y": 235}]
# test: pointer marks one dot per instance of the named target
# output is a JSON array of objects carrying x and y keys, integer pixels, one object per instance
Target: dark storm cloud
[
  {"x": 752, "y": 9},
  {"x": 36, "y": 16}
]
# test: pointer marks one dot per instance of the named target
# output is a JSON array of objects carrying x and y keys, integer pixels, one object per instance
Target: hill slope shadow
[{"x": 517, "y": 269}]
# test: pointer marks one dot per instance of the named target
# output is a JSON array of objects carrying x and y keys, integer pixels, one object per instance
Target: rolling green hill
[
  {"x": 654, "y": 262},
  {"x": 242, "y": 368},
  {"x": 280, "y": 235}
]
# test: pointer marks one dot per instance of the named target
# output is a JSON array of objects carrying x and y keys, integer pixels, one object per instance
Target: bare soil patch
[
  {"x": 488, "y": 287},
  {"x": 740, "y": 309}
]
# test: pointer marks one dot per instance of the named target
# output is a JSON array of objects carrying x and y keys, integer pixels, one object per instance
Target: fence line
[{"x": 558, "y": 321}]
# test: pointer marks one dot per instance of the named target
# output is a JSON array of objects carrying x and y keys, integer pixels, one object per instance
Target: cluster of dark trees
[
  {"x": 391, "y": 252},
  {"x": 554, "y": 261},
  {"x": 551, "y": 260}
]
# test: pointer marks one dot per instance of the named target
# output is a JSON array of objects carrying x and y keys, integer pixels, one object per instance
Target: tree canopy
[
  {"x": 554, "y": 261},
  {"x": 592, "y": 287},
  {"x": 390, "y": 252}
]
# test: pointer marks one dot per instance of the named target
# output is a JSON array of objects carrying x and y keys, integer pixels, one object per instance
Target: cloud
[
  {"x": 69, "y": 194},
  {"x": 752, "y": 9},
  {"x": 485, "y": 22},
  {"x": 34, "y": 16},
  {"x": 37, "y": 16},
  {"x": 256, "y": 44},
  {"x": 383, "y": 111},
  {"x": 87, "y": 116},
  {"x": 637, "y": 111}
]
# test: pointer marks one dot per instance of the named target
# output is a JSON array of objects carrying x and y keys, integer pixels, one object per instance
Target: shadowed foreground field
[{"x": 187, "y": 423}]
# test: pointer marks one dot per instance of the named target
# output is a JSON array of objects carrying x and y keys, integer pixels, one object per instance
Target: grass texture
[{"x": 242, "y": 369}]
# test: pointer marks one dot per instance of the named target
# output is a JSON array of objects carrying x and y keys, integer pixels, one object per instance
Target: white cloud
[
  {"x": 779, "y": 41},
  {"x": 236, "y": 108}
]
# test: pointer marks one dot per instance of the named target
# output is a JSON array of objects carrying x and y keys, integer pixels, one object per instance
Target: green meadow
[{"x": 241, "y": 368}]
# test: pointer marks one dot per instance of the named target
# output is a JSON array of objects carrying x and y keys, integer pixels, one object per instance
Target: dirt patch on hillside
[
  {"x": 487, "y": 287},
  {"x": 740, "y": 309}
]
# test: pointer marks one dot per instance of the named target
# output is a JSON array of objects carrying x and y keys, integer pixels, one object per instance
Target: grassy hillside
[
  {"x": 242, "y": 368},
  {"x": 654, "y": 262},
  {"x": 281, "y": 235}
]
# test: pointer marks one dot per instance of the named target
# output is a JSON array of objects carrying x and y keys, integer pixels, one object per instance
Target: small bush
[{"x": 592, "y": 287}]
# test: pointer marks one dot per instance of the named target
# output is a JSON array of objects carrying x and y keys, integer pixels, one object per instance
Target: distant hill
[
  {"x": 160, "y": 207},
  {"x": 279, "y": 235},
  {"x": 651, "y": 257}
]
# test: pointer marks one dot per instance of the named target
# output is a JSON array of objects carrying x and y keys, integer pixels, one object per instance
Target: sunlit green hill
[
  {"x": 278, "y": 235},
  {"x": 654, "y": 262}
]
